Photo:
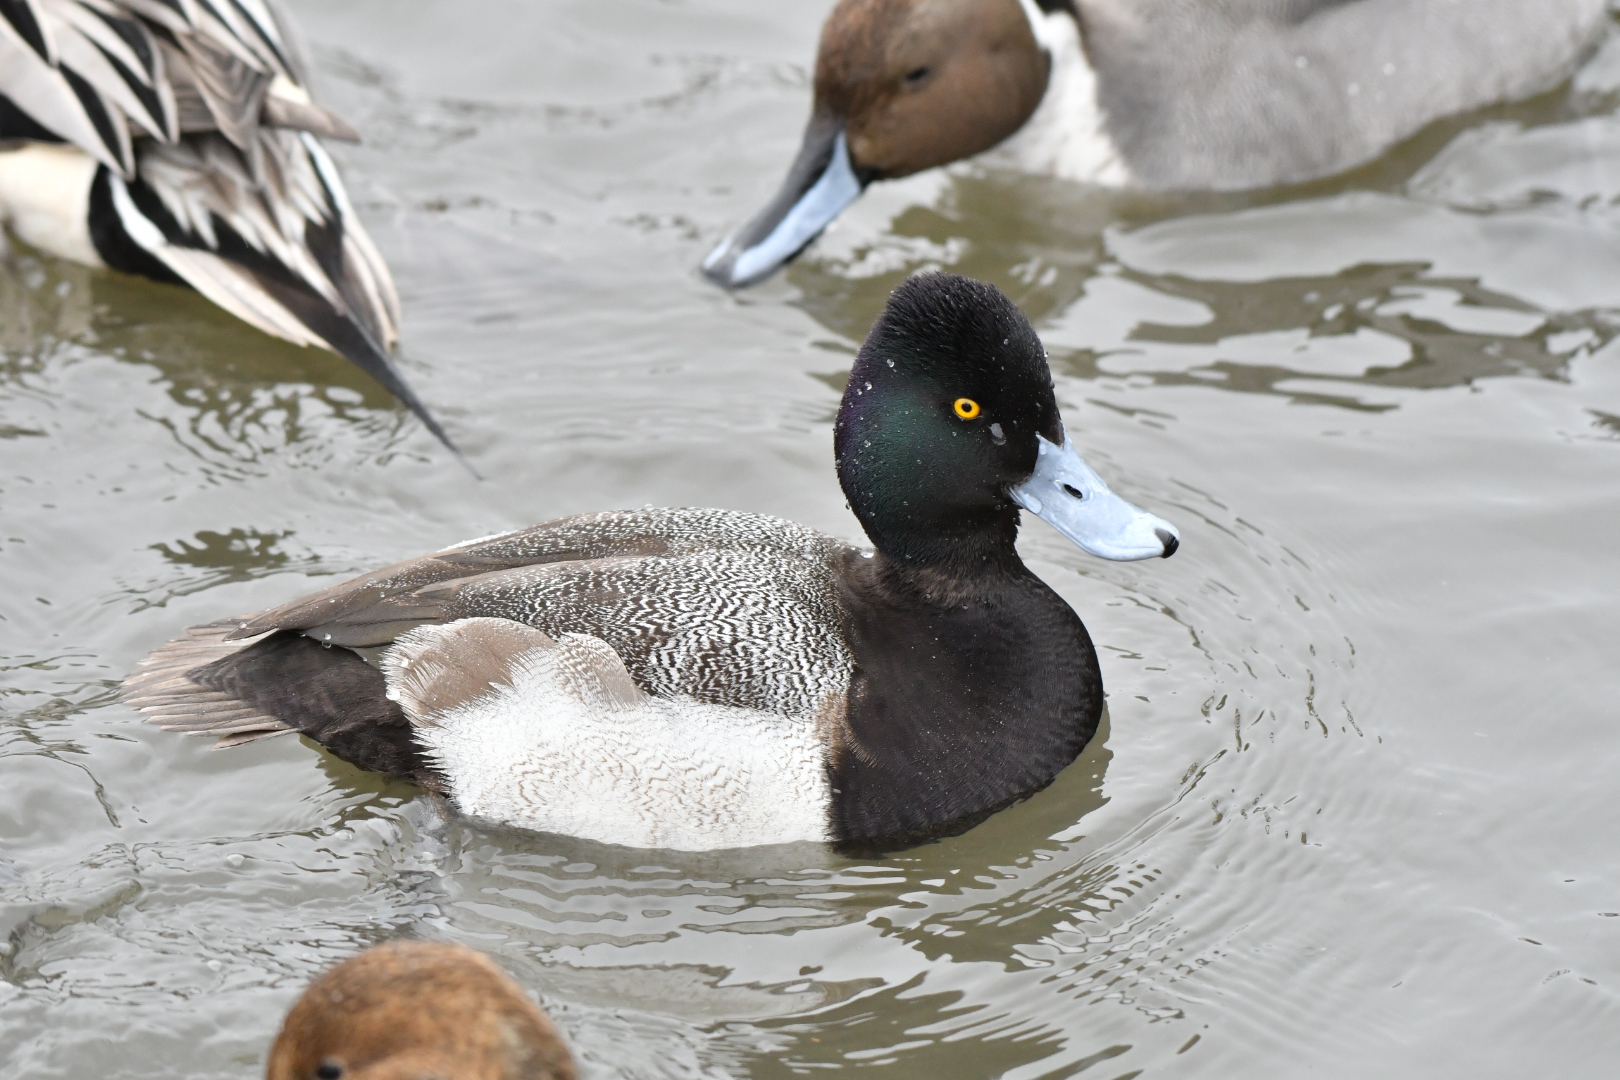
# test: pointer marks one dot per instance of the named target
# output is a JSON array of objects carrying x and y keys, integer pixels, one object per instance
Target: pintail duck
[
  {"x": 418, "y": 1010},
  {"x": 1154, "y": 94},
  {"x": 700, "y": 679},
  {"x": 175, "y": 139}
]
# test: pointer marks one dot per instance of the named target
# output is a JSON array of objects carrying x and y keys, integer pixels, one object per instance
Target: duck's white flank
[
  {"x": 45, "y": 198},
  {"x": 561, "y": 741},
  {"x": 1065, "y": 137}
]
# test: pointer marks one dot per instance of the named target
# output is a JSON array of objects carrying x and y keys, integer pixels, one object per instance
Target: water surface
[{"x": 1351, "y": 813}]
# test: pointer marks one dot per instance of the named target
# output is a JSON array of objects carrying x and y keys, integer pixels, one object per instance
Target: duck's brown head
[
  {"x": 417, "y": 1010},
  {"x": 919, "y": 83},
  {"x": 901, "y": 86}
]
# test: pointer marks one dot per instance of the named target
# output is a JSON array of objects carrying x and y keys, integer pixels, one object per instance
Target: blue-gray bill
[
  {"x": 1068, "y": 495},
  {"x": 819, "y": 185}
]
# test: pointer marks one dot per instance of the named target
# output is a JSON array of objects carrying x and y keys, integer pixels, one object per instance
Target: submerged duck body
[
  {"x": 707, "y": 678},
  {"x": 178, "y": 141},
  {"x": 1152, "y": 94}
]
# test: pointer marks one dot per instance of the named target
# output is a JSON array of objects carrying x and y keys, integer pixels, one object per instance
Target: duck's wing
[
  {"x": 729, "y": 608},
  {"x": 439, "y": 669},
  {"x": 725, "y": 608},
  {"x": 211, "y": 171},
  {"x": 87, "y": 72},
  {"x": 375, "y": 608}
]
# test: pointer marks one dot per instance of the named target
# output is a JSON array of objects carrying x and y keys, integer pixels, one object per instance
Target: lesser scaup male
[
  {"x": 1156, "y": 94},
  {"x": 707, "y": 678},
  {"x": 417, "y": 1010},
  {"x": 177, "y": 141}
]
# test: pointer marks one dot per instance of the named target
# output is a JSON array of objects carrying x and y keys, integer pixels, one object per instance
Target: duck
[
  {"x": 698, "y": 679},
  {"x": 177, "y": 140},
  {"x": 417, "y": 1010},
  {"x": 1157, "y": 95}
]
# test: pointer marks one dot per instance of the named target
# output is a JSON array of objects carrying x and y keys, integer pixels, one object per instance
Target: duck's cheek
[
  {"x": 908, "y": 134},
  {"x": 968, "y": 106}
]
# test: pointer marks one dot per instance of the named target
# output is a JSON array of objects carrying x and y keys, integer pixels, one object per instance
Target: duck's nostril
[
  {"x": 1072, "y": 490},
  {"x": 1169, "y": 540}
]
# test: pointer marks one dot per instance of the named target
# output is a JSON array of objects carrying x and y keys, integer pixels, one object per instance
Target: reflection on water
[
  {"x": 1053, "y": 247},
  {"x": 1347, "y": 814},
  {"x": 235, "y": 394},
  {"x": 210, "y": 559},
  {"x": 1405, "y": 327},
  {"x": 1311, "y": 338}
]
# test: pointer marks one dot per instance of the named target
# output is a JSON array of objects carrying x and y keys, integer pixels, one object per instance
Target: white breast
[
  {"x": 45, "y": 199},
  {"x": 670, "y": 773},
  {"x": 1065, "y": 137}
]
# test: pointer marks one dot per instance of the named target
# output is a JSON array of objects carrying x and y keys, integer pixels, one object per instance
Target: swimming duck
[
  {"x": 417, "y": 1010},
  {"x": 700, "y": 679},
  {"x": 175, "y": 139},
  {"x": 1153, "y": 94}
]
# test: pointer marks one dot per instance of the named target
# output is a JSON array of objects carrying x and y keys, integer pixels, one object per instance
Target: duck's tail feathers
[
  {"x": 269, "y": 236},
  {"x": 59, "y": 99},
  {"x": 163, "y": 687},
  {"x": 199, "y": 114},
  {"x": 102, "y": 73},
  {"x": 242, "y": 691}
]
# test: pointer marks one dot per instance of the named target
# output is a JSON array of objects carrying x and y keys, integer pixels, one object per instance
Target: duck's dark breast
[{"x": 956, "y": 711}]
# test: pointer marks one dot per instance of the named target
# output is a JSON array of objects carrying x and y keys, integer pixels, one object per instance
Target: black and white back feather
[{"x": 211, "y": 171}]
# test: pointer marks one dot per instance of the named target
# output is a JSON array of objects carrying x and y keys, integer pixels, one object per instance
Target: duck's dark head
[
  {"x": 901, "y": 86},
  {"x": 949, "y": 426}
]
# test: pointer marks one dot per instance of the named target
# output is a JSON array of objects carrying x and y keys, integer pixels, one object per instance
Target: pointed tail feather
[
  {"x": 331, "y": 295},
  {"x": 348, "y": 339}
]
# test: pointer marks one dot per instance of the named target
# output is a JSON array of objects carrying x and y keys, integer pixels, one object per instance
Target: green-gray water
[{"x": 1352, "y": 813}]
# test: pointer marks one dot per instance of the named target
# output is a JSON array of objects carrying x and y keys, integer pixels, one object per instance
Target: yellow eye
[{"x": 966, "y": 408}]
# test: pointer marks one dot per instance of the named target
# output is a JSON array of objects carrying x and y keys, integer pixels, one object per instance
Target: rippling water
[{"x": 1351, "y": 813}]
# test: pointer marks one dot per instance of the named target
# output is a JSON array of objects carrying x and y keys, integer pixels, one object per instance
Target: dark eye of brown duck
[
  {"x": 329, "y": 1070},
  {"x": 917, "y": 75}
]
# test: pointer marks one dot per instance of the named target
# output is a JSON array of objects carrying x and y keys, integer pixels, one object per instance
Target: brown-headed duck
[
  {"x": 417, "y": 1010},
  {"x": 1153, "y": 94}
]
